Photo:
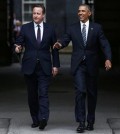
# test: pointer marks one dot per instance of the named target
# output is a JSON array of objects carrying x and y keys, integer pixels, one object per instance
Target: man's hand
[
  {"x": 57, "y": 45},
  {"x": 18, "y": 48},
  {"x": 108, "y": 65},
  {"x": 55, "y": 71}
]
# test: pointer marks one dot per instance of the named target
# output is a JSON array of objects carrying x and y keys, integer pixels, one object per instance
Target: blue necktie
[
  {"x": 84, "y": 34},
  {"x": 38, "y": 34}
]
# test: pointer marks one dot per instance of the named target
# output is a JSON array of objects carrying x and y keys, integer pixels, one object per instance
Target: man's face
[
  {"x": 38, "y": 15},
  {"x": 83, "y": 13}
]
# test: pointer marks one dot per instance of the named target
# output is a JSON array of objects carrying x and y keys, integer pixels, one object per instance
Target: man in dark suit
[
  {"x": 87, "y": 37},
  {"x": 37, "y": 38}
]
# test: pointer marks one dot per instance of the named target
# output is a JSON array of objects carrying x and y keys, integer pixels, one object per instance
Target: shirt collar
[
  {"x": 36, "y": 25},
  {"x": 86, "y": 23}
]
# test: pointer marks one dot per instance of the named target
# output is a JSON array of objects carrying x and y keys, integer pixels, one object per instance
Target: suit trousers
[
  {"x": 37, "y": 84},
  {"x": 85, "y": 85}
]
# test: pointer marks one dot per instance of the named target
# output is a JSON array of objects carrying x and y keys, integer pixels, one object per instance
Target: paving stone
[
  {"x": 4, "y": 125},
  {"x": 114, "y": 123}
]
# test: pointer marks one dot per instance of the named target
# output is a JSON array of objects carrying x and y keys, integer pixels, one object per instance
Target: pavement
[{"x": 14, "y": 111}]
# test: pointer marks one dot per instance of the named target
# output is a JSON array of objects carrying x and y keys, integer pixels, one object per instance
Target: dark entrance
[{"x": 6, "y": 24}]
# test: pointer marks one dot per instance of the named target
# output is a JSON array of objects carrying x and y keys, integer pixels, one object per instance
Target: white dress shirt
[
  {"x": 41, "y": 29},
  {"x": 87, "y": 27}
]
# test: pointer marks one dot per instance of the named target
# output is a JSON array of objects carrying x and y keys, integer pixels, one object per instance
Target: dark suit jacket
[
  {"x": 33, "y": 51},
  {"x": 95, "y": 40}
]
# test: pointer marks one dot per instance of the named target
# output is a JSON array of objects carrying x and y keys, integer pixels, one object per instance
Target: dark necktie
[
  {"x": 38, "y": 34},
  {"x": 84, "y": 34}
]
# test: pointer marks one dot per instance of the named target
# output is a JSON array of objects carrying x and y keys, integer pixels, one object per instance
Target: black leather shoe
[
  {"x": 43, "y": 124},
  {"x": 81, "y": 127},
  {"x": 90, "y": 127},
  {"x": 34, "y": 125}
]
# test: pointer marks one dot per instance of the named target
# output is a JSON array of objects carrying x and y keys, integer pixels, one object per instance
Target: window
[{"x": 27, "y": 9}]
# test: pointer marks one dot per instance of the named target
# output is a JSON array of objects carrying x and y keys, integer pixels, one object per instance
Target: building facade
[{"x": 61, "y": 14}]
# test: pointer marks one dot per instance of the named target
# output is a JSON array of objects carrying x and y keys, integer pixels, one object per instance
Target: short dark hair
[
  {"x": 85, "y": 6},
  {"x": 41, "y": 6}
]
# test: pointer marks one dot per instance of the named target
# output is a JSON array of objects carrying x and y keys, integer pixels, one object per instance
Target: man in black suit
[
  {"x": 87, "y": 37},
  {"x": 37, "y": 38}
]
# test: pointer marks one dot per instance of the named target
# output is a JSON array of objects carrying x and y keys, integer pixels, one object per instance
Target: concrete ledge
[
  {"x": 114, "y": 124},
  {"x": 4, "y": 125}
]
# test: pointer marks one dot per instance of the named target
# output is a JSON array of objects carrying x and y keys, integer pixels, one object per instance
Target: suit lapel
[
  {"x": 78, "y": 31},
  {"x": 90, "y": 33},
  {"x": 44, "y": 32},
  {"x": 32, "y": 33}
]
